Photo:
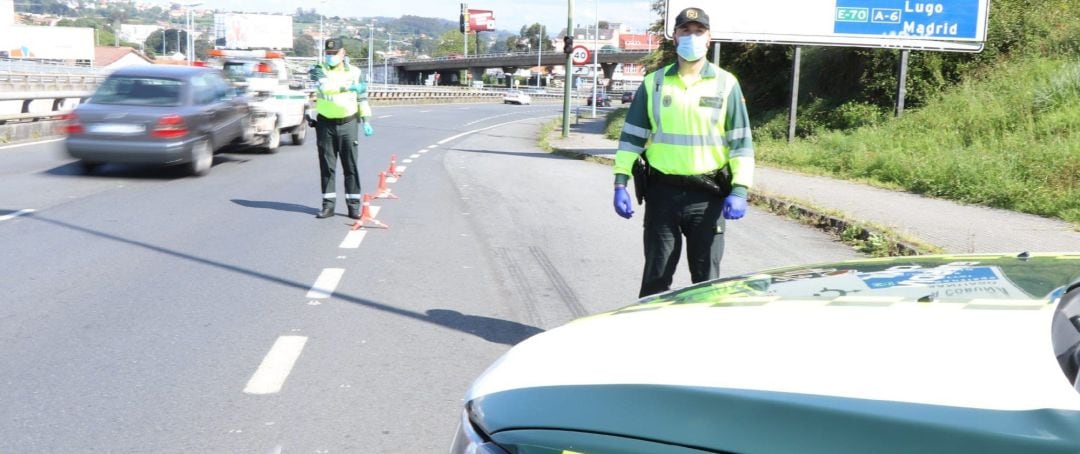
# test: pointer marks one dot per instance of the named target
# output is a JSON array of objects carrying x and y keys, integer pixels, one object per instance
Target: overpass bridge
[{"x": 448, "y": 67}]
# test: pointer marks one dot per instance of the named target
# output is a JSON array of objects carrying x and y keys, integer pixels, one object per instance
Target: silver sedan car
[{"x": 159, "y": 114}]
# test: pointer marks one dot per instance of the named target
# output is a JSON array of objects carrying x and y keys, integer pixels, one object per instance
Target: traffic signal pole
[{"x": 568, "y": 49}]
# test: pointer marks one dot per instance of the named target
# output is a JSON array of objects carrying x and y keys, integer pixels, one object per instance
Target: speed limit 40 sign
[{"x": 580, "y": 55}]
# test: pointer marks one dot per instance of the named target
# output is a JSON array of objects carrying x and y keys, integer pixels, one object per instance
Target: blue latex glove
[
  {"x": 734, "y": 207},
  {"x": 367, "y": 129},
  {"x": 358, "y": 88},
  {"x": 622, "y": 202}
]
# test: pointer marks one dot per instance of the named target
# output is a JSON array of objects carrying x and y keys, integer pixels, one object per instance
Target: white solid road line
[
  {"x": 276, "y": 365},
  {"x": 432, "y": 146},
  {"x": 326, "y": 283},
  {"x": 353, "y": 239},
  {"x": 16, "y": 214},
  {"x": 442, "y": 142},
  {"x": 384, "y": 116},
  {"x": 30, "y": 143}
]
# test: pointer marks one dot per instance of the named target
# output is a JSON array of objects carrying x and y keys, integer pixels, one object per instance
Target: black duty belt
[
  {"x": 716, "y": 182},
  {"x": 337, "y": 121}
]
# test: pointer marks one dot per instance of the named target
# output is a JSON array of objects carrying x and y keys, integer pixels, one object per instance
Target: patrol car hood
[{"x": 971, "y": 332}]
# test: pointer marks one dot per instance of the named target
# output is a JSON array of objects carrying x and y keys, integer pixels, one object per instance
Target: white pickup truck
[{"x": 278, "y": 104}]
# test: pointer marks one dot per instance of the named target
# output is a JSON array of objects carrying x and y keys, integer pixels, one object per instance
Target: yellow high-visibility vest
[
  {"x": 688, "y": 135},
  {"x": 331, "y": 101}
]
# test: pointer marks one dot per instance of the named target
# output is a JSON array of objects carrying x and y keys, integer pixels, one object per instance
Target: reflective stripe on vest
[
  {"x": 685, "y": 142},
  {"x": 340, "y": 105}
]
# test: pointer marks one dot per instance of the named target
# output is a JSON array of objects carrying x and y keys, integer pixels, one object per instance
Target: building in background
[{"x": 111, "y": 58}]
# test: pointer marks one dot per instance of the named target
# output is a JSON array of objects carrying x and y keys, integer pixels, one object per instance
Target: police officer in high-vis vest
[
  {"x": 341, "y": 99},
  {"x": 686, "y": 143}
]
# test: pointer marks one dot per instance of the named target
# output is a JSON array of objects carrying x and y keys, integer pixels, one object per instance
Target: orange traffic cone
[
  {"x": 365, "y": 216},
  {"x": 384, "y": 192},
  {"x": 392, "y": 171}
]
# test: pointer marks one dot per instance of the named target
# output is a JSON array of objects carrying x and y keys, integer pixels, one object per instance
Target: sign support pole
[
  {"x": 569, "y": 69},
  {"x": 901, "y": 82},
  {"x": 794, "y": 93}
]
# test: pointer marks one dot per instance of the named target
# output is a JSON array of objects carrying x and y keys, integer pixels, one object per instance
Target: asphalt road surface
[{"x": 148, "y": 311}]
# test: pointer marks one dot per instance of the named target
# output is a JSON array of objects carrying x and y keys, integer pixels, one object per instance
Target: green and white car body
[{"x": 899, "y": 355}]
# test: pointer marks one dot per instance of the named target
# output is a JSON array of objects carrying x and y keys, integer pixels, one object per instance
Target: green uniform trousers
[
  {"x": 337, "y": 140},
  {"x": 671, "y": 213}
]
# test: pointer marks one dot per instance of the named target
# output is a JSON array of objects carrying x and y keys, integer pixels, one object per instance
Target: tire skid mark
[
  {"x": 519, "y": 283},
  {"x": 566, "y": 293}
]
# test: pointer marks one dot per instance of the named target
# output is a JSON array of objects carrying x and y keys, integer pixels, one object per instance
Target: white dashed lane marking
[
  {"x": 15, "y": 214},
  {"x": 276, "y": 365},
  {"x": 406, "y": 161},
  {"x": 415, "y": 156},
  {"x": 326, "y": 283},
  {"x": 353, "y": 239}
]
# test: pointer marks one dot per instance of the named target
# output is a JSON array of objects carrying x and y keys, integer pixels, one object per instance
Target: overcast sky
[{"x": 510, "y": 15}]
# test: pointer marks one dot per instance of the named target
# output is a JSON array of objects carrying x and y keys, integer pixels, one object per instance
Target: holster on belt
[{"x": 641, "y": 171}]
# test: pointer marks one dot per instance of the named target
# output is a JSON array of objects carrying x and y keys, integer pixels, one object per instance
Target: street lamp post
[
  {"x": 322, "y": 35},
  {"x": 596, "y": 53},
  {"x": 189, "y": 24},
  {"x": 386, "y": 59},
  {"x": 539, "y": 52},
  {"x": 370, "y": 49}
]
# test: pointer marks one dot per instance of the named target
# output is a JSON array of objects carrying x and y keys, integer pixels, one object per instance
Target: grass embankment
[{"x": 1009, "y": 140}]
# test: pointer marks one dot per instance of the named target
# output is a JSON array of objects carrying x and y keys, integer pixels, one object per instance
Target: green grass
[
  {"x": 1009, "y": 140},
  {"x": 546, "y": 130},
  {"x": 615, "y": 120}
]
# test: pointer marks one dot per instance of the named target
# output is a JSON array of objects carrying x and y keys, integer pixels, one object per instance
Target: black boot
[
  {"x": 354, "y": 212},
  {"x": 327, "y": 212}
]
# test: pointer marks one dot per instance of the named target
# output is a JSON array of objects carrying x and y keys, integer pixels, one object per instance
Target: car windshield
[
  {"x": 138, "y": 91},
  {"x": 240, "y": 70}
]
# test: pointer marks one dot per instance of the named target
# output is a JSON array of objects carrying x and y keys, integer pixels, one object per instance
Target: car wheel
[
  {"x": 202, "y": 158},
  {"x": 89, "y": 166},
  {"x": 299, "y": 133},
  {"x": 273, "y": 141}
]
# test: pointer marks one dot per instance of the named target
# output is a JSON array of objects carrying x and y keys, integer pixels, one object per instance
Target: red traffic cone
[
  {"x": 384, "y": 192},
  {"x": 365, "y": 216},
  {"x": 392, "y": 171}
]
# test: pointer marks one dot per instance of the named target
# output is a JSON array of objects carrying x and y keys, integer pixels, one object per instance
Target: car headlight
[{"x": 469, "y": 440}]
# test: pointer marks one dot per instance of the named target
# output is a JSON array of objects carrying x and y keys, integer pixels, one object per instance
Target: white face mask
[{"x": 692, "y": 47}]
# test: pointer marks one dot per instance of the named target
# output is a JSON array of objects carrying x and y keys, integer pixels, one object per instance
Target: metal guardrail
[
  {"x": 19, "y": 82},
  {"x": 508, "y": 55},
  {"x": 400, "y": 93},
  {"x": 38, "y": 66},
  {"x": 24, "y": 115}
]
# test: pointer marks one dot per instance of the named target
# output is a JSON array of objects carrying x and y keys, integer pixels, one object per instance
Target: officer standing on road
[
  {"x": 341, "y": 98},
  {"x": 686, "y": 142}
]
